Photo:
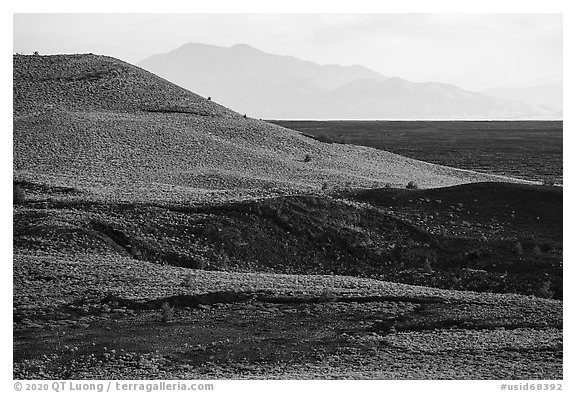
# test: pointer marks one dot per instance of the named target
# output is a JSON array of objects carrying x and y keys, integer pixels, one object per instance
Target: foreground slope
[
  {"x": 145, "y": 291},
  {"x": 234, "y": 326},
  {"x": 115, "y": 131}
]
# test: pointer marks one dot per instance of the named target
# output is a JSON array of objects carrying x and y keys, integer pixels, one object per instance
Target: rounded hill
[
  {"x": 112, "y": 130},
  {"x": 90, "y": 82}
]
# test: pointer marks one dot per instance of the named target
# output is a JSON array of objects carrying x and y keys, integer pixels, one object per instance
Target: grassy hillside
[{"x": 117, "y": 132}]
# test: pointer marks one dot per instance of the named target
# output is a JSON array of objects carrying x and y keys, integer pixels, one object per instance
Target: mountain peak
[
  {"x": 244, "y": 47},
  {"x": 197, "y": 46},
  {"x": 284, "y": 87}
]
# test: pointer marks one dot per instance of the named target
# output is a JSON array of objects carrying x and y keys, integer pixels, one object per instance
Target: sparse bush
[
  {"x": 244, "y": 115},
  {"x": 188, "y": 281},
  {"x": 19, "y": 194},
  {"x": 307, "y": 158},
  {"x": 456, "y": 281},
  {"x": 412, "y": 185},
  {"x": 167, "y": 312},
  {"x": 548, "y": 182},
  {"x": 388, "y": 185},
  {"x": 209, "y": 98},
  {"x": 518, "y": 249},
  {"x": 324, "y": 186},
  {"x": 35, "y": 53},
  {"x": 328, "y": 295},
  {"x": 428, "y": 266},
  {"x": 545, "y": 290}
]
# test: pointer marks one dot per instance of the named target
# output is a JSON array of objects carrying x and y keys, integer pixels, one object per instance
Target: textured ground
[
  {"x": 91, "y": 281},
  {"x": 485, "y": 236},
  {"x": 131, "y": 259},
  {"x": 100, "y": 317},
  {"x": 529, "y": 150},
  {"x": 105, "y": 126}
]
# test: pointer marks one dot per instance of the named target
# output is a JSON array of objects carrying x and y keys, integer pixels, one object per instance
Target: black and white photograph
[{"x": 287, "y": 196}]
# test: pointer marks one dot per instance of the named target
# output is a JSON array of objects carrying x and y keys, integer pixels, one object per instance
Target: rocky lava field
[{"x": 159, "y": 235}]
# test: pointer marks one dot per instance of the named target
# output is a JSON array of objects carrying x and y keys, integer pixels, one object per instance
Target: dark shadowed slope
[
  {"x": 115, "y": 131},
  {"x": 512, "y": 232}
]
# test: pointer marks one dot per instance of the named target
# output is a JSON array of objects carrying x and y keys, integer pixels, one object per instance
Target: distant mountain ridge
[
  {"x": 283, "y": 87},
  {"x": 242, "y": 61},
  {"x": 549, "y": 95}
]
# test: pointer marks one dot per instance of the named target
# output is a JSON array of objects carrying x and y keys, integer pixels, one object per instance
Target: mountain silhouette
[
  {"x": 545, "y": 96},
  {"x": 284, "y": 87}
]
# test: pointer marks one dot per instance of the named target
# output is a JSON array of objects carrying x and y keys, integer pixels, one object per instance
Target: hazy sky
[{"x": 473, "y": 51}]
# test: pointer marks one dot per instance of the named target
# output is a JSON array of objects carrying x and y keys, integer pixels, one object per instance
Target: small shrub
[
  {"x": 199, "y": 264},
  {"x": 388, "y": 185},
  {"x": 209, "y": 98},
  {"x": 324, "y": 186},
  {"x": 188, "y": 281},
  {"x": 307, "y": 158},
  {"x": 456, "y": 281},
  {"x": 518, "y": 249},
  {"x": 19, "y": 194},
  {"x": 167, "y": 312},
  {"x": 327, "y": 295},
  {"x": 35, "y": 53},
  {"x": 545, "y": 290},
  {"x": 548, "y": 182},
  {"x": 412, "y": 185},
  {"x": 427, "y": 266},
  {"x": 244, "y": 115}
]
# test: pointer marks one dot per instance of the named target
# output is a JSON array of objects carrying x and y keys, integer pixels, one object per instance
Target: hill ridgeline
[{"x": 116, "y": 132}]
